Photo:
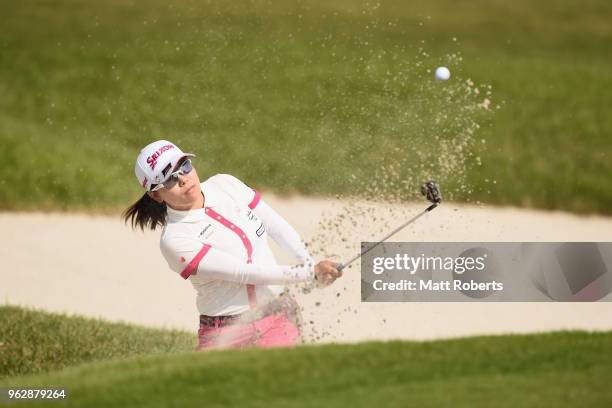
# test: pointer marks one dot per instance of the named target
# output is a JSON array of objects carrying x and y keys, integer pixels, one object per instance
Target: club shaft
[{"x": 389, "y": 235}]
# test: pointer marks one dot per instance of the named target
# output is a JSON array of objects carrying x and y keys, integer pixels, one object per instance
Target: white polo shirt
[{"x": 223, "y": 249}]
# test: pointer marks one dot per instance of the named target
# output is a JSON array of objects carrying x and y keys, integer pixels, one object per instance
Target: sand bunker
[{"x": 96, "y": 266}]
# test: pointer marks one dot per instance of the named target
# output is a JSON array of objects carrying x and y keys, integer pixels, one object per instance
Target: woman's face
[{"x": 184, "y": 195}]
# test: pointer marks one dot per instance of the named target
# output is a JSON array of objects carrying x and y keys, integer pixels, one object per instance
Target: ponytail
[{"x": 146, "y": 212}]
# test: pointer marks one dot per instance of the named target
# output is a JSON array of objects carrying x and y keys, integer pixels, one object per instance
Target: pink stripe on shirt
[
  {"x": 232, "y": 227},
  {"x": 255, "y": 200},
  {"x": 193, "y": 265},
  {"x": 245, "y": 241}
]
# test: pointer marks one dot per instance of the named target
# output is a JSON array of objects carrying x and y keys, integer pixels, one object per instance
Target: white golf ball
[{"x": 442, "y": 73}]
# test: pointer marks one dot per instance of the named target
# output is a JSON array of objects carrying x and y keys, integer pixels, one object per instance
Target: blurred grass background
[
  {"x": 311, "y": 97},
  {"x": 34, "y": 341},
  {"x": 570, "y": 369}
]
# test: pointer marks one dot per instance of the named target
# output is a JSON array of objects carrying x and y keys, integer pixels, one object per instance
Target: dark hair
[{"x": 146, "y": 212}]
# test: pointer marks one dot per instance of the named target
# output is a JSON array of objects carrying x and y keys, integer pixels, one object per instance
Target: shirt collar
[{"x": 194, "y": 215}]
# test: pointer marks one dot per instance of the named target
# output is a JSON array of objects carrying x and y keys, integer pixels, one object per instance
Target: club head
[{"x": 431, "y": 191}]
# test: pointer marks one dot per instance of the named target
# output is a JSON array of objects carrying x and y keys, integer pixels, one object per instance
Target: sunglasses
[{"x": 184, "y": 168}]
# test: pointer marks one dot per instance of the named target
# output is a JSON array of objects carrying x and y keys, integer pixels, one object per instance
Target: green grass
[
  {"x": 570, "y": 369},
  {"x": 315, "y": 97},
  {"x": 33, "y": 341}
]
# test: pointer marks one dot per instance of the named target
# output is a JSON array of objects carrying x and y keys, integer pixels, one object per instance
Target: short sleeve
[{"x": 238, "y": 190}]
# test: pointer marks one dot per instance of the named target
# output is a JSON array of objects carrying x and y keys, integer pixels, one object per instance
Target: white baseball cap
[{"x": 156, "y": 161}]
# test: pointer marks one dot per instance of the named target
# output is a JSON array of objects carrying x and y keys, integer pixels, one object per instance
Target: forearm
[{"x": 219, "y": 265}]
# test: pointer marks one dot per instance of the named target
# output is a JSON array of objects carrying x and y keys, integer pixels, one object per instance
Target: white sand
[{"x": 97, "y": 266}]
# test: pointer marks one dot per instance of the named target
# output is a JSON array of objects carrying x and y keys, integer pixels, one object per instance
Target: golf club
[{"x": 431, "y": 191}]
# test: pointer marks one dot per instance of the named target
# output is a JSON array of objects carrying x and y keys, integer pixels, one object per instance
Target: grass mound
[
  {"x": 553, "y": 369},
  {"x": 33, "y": 341}
]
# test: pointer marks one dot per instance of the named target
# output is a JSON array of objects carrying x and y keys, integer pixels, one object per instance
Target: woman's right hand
[{"x": 326, "y": 272}]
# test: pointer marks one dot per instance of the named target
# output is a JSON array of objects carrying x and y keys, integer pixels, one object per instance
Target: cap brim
[
  {"x": 181, "y": 158},
  {"x": 184, "y": 155}
]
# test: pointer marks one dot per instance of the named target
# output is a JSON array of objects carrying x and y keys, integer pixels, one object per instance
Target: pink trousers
[{"x": 276, "y": 330}]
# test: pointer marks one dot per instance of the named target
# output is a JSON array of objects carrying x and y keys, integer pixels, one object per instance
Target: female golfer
[{"x": 215, "y": 235}]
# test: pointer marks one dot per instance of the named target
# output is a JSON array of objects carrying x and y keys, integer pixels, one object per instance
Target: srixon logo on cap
[{"x": 152, "y": 159}]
